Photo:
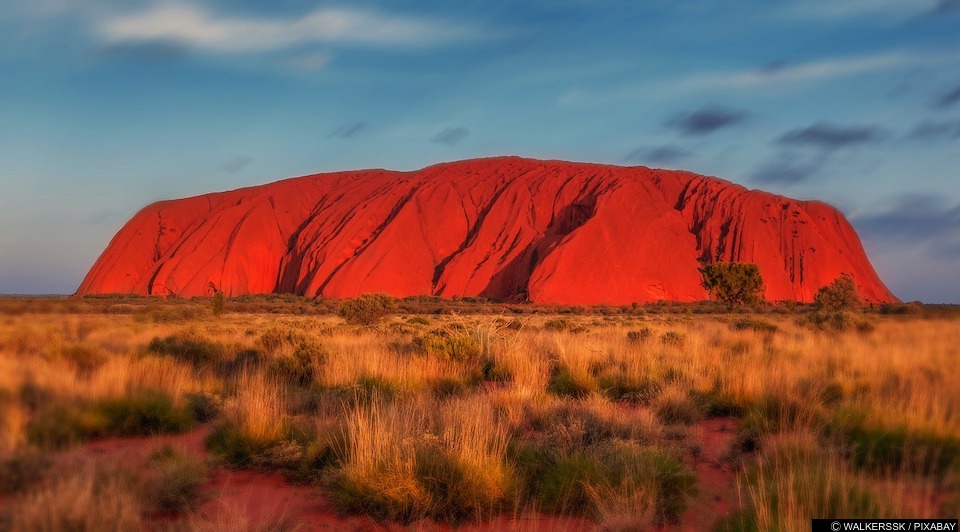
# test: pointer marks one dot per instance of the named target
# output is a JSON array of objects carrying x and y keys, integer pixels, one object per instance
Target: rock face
[{"x": 505, "y": 228}]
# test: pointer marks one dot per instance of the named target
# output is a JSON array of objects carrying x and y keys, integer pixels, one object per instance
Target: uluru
[{"x": 504, "y": 228}]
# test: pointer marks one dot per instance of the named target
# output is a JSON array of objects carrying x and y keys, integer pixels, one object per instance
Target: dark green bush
[
  {"x": 673, "y": 338},
  {"x": 619, "y": 387},
  {"x": 557, "y": 324},
  {"x": 641, "y": 335},
  {"x": 190, "y": 348},
  {"x": 172, "y": 484},
  {"x": 842, "y": 294},
  {"x": 757, "y": 325},
  {"x": 144, "y": 414},
  {"x": 619, "y": 467},
  {"x": 565, "y": 383},
  {"x": 367, "y": 309}
]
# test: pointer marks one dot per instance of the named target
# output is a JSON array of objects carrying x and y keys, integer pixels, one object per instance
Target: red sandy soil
[
  {"x": 715, "y": 477},
  {"x": 266, "y": 497},
  {"x": 505, "y": 228}
]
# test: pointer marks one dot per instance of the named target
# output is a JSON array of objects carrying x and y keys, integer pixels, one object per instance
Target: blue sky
[{"x": 106, "y": 106}]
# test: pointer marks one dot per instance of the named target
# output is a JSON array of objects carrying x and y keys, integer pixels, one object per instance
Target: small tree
[
  {"x": 736, "y": 283},
  {"x": 218, "y": 299},
  {"x": 841, "y": 294},
  {"x": 366, "y": 309}
]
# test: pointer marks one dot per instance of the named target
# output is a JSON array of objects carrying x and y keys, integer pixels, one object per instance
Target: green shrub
[
  {"x": 203, "y": 406},
  {"x": 617, "y": 469},
  {"x": 557, "y": 324},
  {"x": 461, "y": 490},
  {"x": 85, "y": 358},
  {"x": 298, "y": 368},
  {"x": 60, "y": 425},
  {"x": 367, "y": 309},
  {"x": 141, "y": 414},
  {"x": 842, "y": 294},
  {"x": 144, "y": 414},
  {"x": 190, "y": 348},
  {"x": 735, "y": 283},
  {"x": 673, "y": 338},
  {"x": 418, "y": 320},
  {"x": 884, "y": 448},
  {"x": 449, "y": 387},
  {"x": 619, "y": 387},
  {"x": 717, "y": 404},
  {"x": 641, "y": 335},
  {"x": 227, "y": 441},
  {"x": 757, "y": 325},
  {"x": 842, "y": 320},
  {"x": 566, "y": 383},
  {"x": 676, "y": 408},
  {"x": 458, "y": 346},
  {"x": 173, "y": 480}
]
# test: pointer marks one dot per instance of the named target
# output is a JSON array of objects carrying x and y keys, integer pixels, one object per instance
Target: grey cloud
[
  {"x": 786, "y": 169},
  {"x": 946, "y": 6},
  {"x": 948, "y": 99},
  {"x": 829, "y": 137},
  {"x": 705, "y": 120},
  {"x": 451, "y": 136},
  {"x": 347, "y": 131},
  {"x": 933, "y": 130},
  {"x": 236, "y": 164},
  {"x": 915, "y": 219},
  {"x": 665, "y": 154}
]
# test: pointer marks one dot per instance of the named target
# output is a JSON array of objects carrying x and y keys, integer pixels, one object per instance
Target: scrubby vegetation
[{"x": 593, "y": 414}]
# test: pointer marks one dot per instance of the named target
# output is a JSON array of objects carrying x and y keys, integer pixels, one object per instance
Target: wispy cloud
[
  {"x": 835, "y": 10},
  {"x": 451, "y": 136},
  {"x": 916, "y": 219},
  {"x": 948, "y": 98},
  {"x": 811, "y": 71},
  {"x": 236, "y": 164},
  {"x": 194, "y": 26},
  {"x": 665, "y": 154},
  {"x": 946, "y": 6},
  {"x": 830, "y": 137},
  {"x": 705, "y": 120},
  {"x": 787, "y": 169},
  {"x": 937, "y": 130},
  {"x": 777, "y": 75},
  {"x": 347, "y": 131}
]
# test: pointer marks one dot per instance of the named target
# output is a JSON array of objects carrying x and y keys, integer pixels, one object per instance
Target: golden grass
[{"x": 422, "y": 435}]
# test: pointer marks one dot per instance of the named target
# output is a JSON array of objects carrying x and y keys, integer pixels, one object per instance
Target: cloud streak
[
  {"x": 705, "y": 120},
  {"x": 665, "y": 154},
  {"x": 948, "y": 98},
  {"x": 830, "y": 137},
  {"x": 347, "y": 131},
  {"x": 786, "y": 169},
  {"x": 196, "y": 27},
  {"x": 931, "y": 130},
  {"x": 916, "y": 219},
  {"x": 451, "y": 136}
]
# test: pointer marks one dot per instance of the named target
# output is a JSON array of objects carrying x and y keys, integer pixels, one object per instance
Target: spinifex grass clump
[
  {"x": 617, "y": 474},
  {"x": 254, "y": 419},
  {"x": 172, "y": 481},
  {"x": 141, "y": 413},
  {"x": 407, "y": 461},
  {"x": 797, "y": 479}
]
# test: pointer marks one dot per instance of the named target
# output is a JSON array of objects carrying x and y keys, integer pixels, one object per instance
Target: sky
[{"x": 107, "y": 106}]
